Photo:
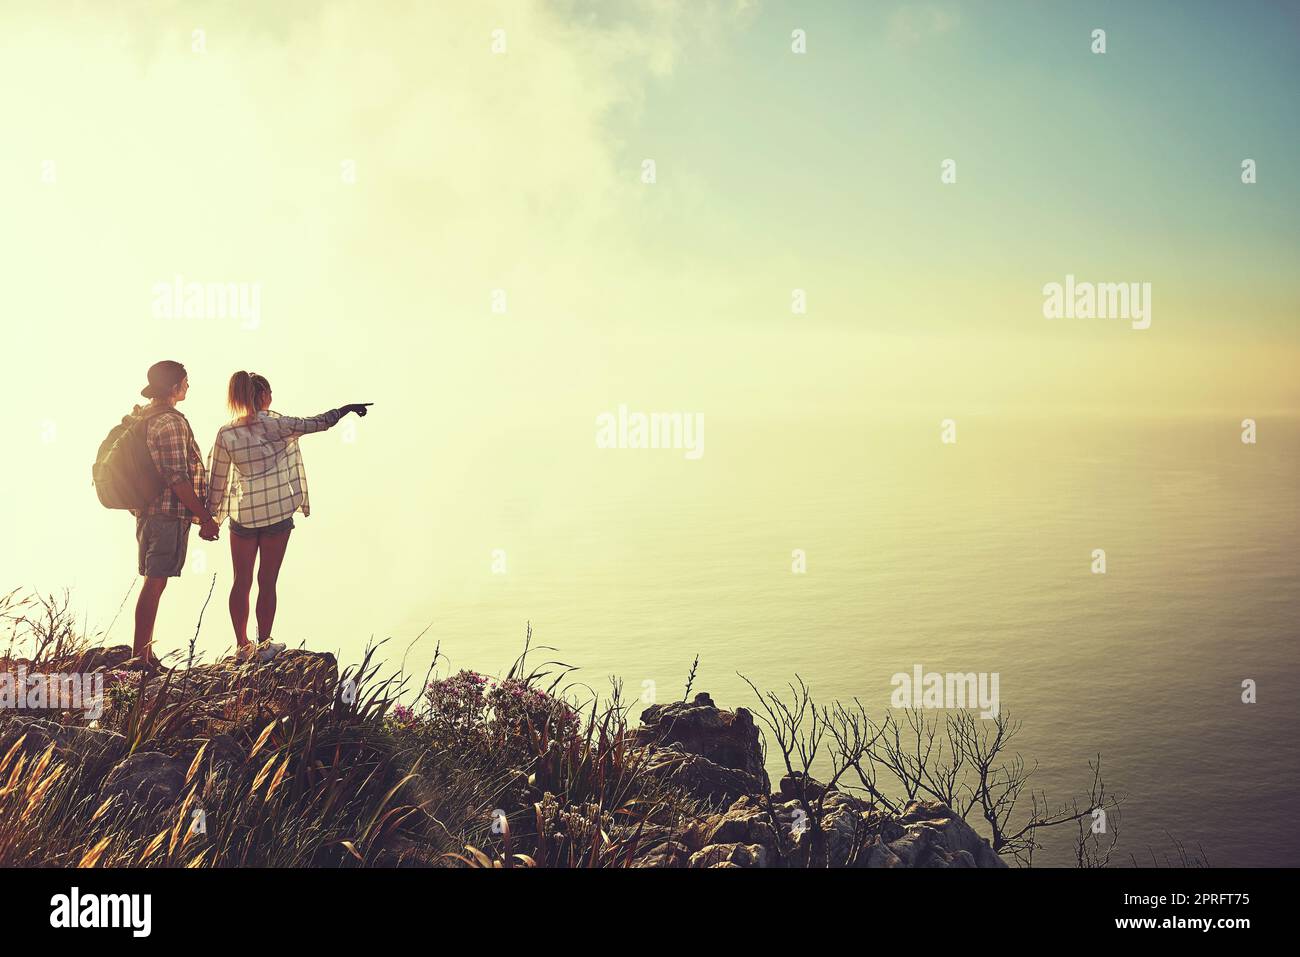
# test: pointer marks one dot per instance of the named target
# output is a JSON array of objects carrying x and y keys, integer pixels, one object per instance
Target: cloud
[
  {"x": 913, "y": 23},
  {"x": 227, "y": 162}
]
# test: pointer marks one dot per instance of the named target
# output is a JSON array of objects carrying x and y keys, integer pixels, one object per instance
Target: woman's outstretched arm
[{"x": 289, "y": 426}]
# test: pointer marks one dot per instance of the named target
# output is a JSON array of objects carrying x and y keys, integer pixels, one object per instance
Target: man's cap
[{"x": 163, "y": 377}]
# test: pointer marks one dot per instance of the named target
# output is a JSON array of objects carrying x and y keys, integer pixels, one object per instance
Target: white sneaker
[{"x": 269, "y": 649}]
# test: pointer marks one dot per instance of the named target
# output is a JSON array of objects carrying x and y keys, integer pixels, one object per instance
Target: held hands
[
  {"x": 359, "y": 408},
  {"x": 209, "y": 530}
]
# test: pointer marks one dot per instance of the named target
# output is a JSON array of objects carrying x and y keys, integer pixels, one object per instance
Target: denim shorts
[
  {"x": 162, "y": 541},
  {"x": 244, "y": 531}
]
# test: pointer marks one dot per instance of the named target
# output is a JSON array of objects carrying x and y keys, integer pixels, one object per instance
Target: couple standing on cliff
[{"x": 255, "y": 476}]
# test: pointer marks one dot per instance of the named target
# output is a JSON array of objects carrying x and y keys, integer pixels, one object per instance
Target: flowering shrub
[
  {"x": 470, "y": 704},
  {"x": 402, "y": 716},
  {"x": 457, "y": 702},
  {"x": 515, "y": 705}
]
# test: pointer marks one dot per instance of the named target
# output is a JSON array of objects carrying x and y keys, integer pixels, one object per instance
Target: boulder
[
  {"x": 744, "y": 823},
  {"x": 728, "y": 739},
  {"x": 85, "y": 661},
  {"x": 947, "y": 836},
  {"x": 36, "y": 735},
  {"x": 844, "y": 832},
  {"x": 913, "y": 848},
  {"x": 648, "y": 835},
  {"x": 146, "y": 778},
  {"x": 229, "y": 696},
  {"x": 879, "y": 855},
  {"x": 700, "y": 777},
  {"x": 847, "y": 827},
  {"x": 666, "y": 854},
  {"x": 791, "y": 785},
  {"x": 100, "y": 659},
  {"x": 93, "y": 749},
  {"x": 853, "y": 833},
  {"x": 222, "y": 750},
  {"x": 729, "y": 855},
  {"x": 714, "y": 755}
]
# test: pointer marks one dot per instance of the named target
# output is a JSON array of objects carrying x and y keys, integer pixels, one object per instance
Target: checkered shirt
[
  {"x": 176, "y": 456},
  {"x": 258, "y": 477}
]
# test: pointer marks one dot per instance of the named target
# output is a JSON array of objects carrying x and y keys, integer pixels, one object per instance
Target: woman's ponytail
[{"x": 245, "y": 393}]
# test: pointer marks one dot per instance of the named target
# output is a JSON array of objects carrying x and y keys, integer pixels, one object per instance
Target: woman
[{"x": 257, "y": 478}]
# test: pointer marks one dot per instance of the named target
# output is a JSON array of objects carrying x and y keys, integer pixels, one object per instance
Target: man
[{"x": 162, "y": 529}]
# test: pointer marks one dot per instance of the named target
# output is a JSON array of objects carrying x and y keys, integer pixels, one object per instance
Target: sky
[{"x": 383, "y": 177}]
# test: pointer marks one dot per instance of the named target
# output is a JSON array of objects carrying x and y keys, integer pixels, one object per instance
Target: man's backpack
[{"x": 124, "y": 473}]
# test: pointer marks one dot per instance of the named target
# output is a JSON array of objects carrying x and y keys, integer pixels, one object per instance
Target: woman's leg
[
  {"x": 268, "y": 571},
  {"x": 243, "y": 552}
]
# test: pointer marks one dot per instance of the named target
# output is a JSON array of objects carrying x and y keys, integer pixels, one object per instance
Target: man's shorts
[
  {"x": 247, "y": 531},
  {"x": 162, "y": 540}
]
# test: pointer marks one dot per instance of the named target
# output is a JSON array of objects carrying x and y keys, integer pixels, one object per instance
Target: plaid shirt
[
  {"x": 268, "y": 481},
  {"x": 176, "y": 456}
]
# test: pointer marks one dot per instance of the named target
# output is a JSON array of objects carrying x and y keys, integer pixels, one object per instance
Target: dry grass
[{"x": 318, "y": 777}]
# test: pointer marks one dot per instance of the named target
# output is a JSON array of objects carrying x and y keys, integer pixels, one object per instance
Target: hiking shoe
[
  {"x": 245, "y": 652},
  {"x": 148, "y": 663},
  {"x": 269, "y": 649}
]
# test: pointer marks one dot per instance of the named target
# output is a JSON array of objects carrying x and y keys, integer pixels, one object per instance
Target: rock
[
  {"x": 146, "y": 778},
  {"x": 791, "y": 784},
  {"x": 36, "y": 735},
  {"x": 881, "y": 856},
  {"x": 882, "y": 825},
  {"x": 226, "y": 695},
  {"x": 94, "y": 749},
  {"x": 844, "y": 832},
  {"x": 100, "y": 659},
  {"x": 947, "y": 834},
  {"x": 854, "y": 833},
  {"x": 729, "y": 855},
  {"x": 744, "y": 823},
  {"x": 913, "y": 848},
  {"x": 86, "y": 661},
  {"x": 222, "y": 750},
  {"x": 649, "y": 835},
  {"x": 712, "y": 754},
  {"x": 728, "y": 739},
  {"x": 230, "y": 696},
  {"x": 700, "y": 777},
  {"x": 848, "y": 824},
  {"x": 667, "y": 854}
]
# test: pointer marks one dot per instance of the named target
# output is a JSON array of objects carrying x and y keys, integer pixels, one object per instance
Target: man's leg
[
  {"x": 146, "y": 611},
  {"x": 162, "y": 556}
]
